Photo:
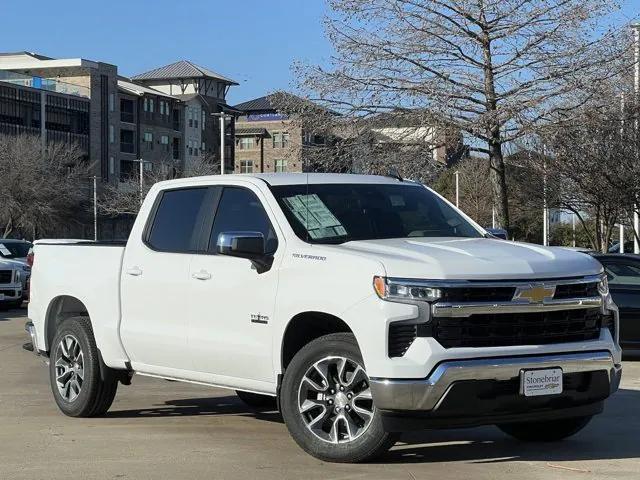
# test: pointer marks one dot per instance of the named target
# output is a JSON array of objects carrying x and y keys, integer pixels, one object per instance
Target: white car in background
[{"x": 18, "y": 251}]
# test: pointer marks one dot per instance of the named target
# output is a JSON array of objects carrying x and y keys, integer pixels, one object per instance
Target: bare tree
[
  {"x": 125, "y": 199},
  {"x": 40, "y": 189},
  {"x": 495, "y": 69}
]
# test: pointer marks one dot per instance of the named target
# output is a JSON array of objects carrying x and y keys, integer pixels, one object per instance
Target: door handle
[
  {"x": 134, "y": 271},
  {"x": 201, "y": 275}
]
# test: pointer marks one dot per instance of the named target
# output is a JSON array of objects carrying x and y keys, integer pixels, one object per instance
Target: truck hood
[{"x": 473, "y": 258}]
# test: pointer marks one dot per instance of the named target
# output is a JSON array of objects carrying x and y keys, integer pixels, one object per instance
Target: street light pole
[
  {"x": 223, "y": 118},
  {"x": 545, "y": 211},
  {"x": 95, "y": 208},
  {"x": 636, "y": 85}
]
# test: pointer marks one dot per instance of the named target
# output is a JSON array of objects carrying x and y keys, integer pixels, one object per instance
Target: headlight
[
  {"x": 603, "y": 285},
  {"x": 392, "y": 289},
  {"x": 18, "y": 275}
]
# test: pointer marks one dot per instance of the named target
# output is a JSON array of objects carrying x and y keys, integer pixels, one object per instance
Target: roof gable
[{"x": 182, "y": 69}]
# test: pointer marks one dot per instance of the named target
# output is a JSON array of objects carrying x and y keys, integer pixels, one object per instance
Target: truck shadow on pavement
[
  {"x": 607, "y": 437},
  {"x": 228, "y": 405}
]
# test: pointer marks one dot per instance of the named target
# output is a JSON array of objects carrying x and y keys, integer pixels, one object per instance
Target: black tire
[
  {"x": 551, "y": 431},
  {"x": 96, "y": 394},
  {"x": 256, "y": 400},
  {"x": 373, "y": 442}
]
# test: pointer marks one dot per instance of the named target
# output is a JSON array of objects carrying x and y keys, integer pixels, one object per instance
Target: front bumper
[
  {"x": 484, "y": 391},
  {"x": 11, "y": 293}
]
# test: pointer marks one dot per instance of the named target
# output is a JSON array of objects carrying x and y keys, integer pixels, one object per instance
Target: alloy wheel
[
  {"x": 334, "y": 400},
  {"x": 69, "y": 365}
]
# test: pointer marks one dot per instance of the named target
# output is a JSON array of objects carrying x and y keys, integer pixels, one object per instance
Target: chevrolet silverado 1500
[{"x": 364, "y": 306}]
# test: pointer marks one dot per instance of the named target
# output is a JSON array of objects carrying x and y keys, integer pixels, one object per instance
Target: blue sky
[{"x": 252, "y": 41}]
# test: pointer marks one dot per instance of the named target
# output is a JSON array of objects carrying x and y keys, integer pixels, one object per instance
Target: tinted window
[
  {"x": 241, "y": 211},
  {"x": 177, "y": 222},
  {"x": 622, "y": 273},
  {"x": 337, "y": 213},
  {"x": 14, "y": 249}
]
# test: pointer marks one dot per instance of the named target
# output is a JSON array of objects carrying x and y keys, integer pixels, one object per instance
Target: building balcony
[{"x": 48, "y": 84}]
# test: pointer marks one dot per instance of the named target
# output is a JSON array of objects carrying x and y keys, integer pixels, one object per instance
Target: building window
[
  {"x": 280, "y": 140},
  {"x": 190, "y": 116},
  {"x": 190, "y": 147},
  {"x": 204, "y": 116},
  {"x": 281, "y": 165},
  {"x": 148, "y": 137},
  {"x": 246, "y": 143},
  {"x": 202, "y": 147},
  {"x": 112, "y": 102},
  {"x": 164, "y": 140},
  {"x": 146, "y": 105},
  {"x": 112, "y": 134},
  {"x": 126, "y": 141},
  {"x": 151, "y": 105},
  {"x": 126, "y": 110},
  {"x": 246, "y": 166},
  {"x": 112, "y": 166}
]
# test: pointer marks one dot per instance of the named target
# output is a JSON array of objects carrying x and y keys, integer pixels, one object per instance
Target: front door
[{"x": 232, "y": 305}]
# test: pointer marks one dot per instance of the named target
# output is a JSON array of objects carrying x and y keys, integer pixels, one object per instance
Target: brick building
[{"x": 266, "y": 141}]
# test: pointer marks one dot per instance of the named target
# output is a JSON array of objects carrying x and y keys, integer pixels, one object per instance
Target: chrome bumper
[{"x": 426, "y": 394}]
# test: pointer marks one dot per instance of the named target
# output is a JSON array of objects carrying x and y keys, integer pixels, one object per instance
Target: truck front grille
[
  {"x": 5, "y": 276},
  {"x": 478, "y": 294},
  {"x": 510, "y": 329},
  {"x": 576, "y": 290}
]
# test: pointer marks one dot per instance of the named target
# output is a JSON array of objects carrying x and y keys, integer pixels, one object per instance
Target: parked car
[
  {"x": 365, "y": 305},
  {"x": 18, "y": 251},
  {"x": 623, "y": 273},
  {"x": 11, "y": 284}
]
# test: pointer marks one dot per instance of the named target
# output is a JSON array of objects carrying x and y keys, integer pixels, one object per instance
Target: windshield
[
  {"x": 14, "y": 249},
  {"x": 337, "y": 213}
]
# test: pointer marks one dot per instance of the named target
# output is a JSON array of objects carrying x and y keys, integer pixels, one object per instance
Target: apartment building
[
  {"x": 65, "y": 100},
  {"x": 265, "y": 139},
  {"x": 203, "y": 93}
]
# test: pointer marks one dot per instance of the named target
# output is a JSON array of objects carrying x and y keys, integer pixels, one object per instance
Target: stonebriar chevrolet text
[{"x": 364, "y": 306}]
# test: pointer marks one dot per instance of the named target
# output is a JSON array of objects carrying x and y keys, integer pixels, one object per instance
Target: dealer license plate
[{"x": 546, "y": 381}]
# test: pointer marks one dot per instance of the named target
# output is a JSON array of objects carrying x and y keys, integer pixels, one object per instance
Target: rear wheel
[
  {"x": 551, "y": 431},
  {"x": 327, "y": 405},
  {"x": 74, "y": 371},
  {"x": 257, "y": 400}
]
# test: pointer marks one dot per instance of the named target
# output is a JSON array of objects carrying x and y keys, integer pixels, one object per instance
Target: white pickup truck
[{"x": 365, "y": 306}]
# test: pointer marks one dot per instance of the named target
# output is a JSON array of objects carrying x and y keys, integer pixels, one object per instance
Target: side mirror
[
  {"x": 249, "y": 245},
  {"x": 241, "y": 244},
  {"x": 498, "y": 233}
]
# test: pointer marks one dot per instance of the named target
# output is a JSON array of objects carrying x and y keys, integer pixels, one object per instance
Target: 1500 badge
[{"x": 257, "y": 318}]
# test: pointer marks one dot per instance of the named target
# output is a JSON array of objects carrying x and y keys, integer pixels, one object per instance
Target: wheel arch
[
  {"x": 60, "y": 309},
  {"x": 305, "y": 327}
]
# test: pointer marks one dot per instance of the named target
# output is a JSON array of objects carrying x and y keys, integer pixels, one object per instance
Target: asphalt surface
[{"x": 167, "y": 430}]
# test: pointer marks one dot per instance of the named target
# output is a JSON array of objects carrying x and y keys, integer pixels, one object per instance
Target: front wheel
[
  {"x": 74, "y": 371},
  {"x": 550, "y": 431},
  {"x": 327, "y": 405}
]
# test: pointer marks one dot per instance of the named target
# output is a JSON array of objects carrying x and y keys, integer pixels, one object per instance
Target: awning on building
[{"x": 255, "y": 131}]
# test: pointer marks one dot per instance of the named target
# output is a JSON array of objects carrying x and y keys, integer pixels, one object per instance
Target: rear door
[
  {"x": 156, "y": 284},
  {"x": 624, "y": 283},
  {"x": 231, "y": 304}
]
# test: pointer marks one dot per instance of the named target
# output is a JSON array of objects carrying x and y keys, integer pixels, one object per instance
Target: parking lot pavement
[{"x": 158, "y": 429}]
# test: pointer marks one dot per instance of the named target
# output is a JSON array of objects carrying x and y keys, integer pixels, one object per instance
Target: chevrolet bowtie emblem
[{"x": 535, "y": 293}]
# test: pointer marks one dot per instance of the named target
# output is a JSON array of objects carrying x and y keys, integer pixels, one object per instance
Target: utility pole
[
  {"x": 223, "y": 118},
  {"x": 545, "y": 211},
  {"x": 457, "y": 188},
  {"x": 621, "y": 225},
  {"x": 141, "y": 162},
  {"x": 573, "y": 227},
  {"x": 95, "y": 208},
  {"x": 636, "y": 85}
]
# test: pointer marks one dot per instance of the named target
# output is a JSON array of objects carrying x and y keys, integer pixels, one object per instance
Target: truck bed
[{"x": 81, "y": 269}]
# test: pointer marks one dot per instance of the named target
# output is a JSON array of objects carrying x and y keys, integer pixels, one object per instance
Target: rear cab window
[{"x": 177, "y": 221}]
